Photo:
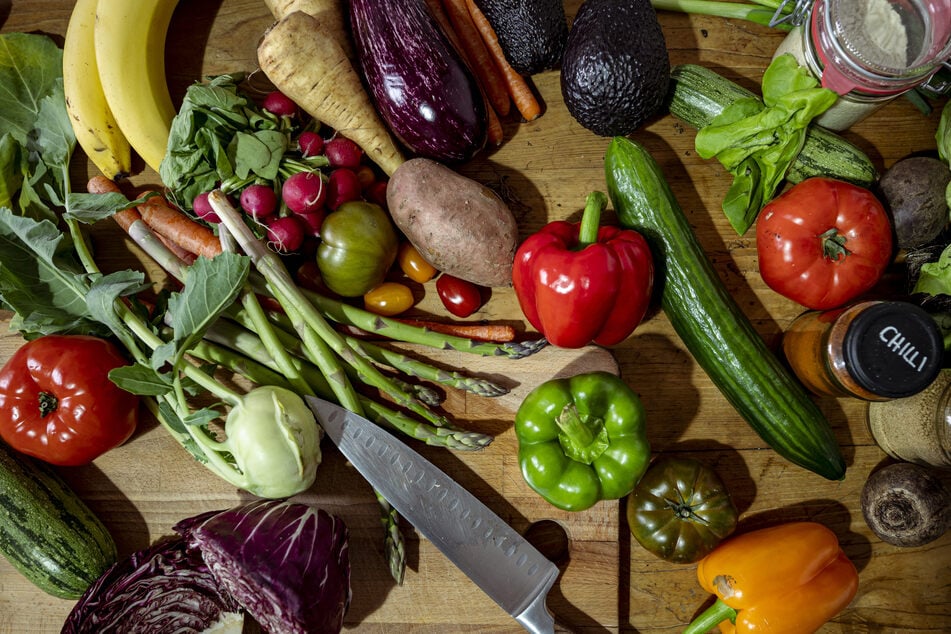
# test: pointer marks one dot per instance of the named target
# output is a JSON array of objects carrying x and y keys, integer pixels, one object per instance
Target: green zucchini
[
  {"x": 711, "y": 324},
  {"x": 46, "y": 531},
  {"x": 698, "y": 94}
]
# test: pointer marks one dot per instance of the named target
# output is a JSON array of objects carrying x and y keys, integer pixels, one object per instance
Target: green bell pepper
[
  {"x": 358, "y": 245},
  {"x": 582, "y": 439}
]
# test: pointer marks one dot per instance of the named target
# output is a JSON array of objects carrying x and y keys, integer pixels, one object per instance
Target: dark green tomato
[
  {"x": 358, "y": 245},
  {"x": 680, "y": 510}
]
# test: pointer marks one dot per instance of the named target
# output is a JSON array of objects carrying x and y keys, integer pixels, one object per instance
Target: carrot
[
  {"x": 480, "y": 60},
  {"x": 303, "y": 59},
  {"x": 519, "y": 89},
  {"x": 100, "y": 184},
  {"x": 499, "y": 333},
  {"x": 178, "y": 228}
]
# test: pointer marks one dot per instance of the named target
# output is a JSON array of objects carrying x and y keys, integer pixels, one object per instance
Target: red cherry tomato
[
  {"x": 460, "y": 297},
  {"x": 57, "y": 403}
]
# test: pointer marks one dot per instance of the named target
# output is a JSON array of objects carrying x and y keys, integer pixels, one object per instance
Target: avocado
[
  {"x": 532, "y": 33},
  {"x": 615, "y": 69}
]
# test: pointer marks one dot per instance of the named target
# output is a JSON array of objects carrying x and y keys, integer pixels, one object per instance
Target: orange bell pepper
[{"x": 791, "y": 578}]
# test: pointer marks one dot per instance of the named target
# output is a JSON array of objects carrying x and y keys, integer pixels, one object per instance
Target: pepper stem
[
  {"x": 591, "y": 218},
  {"x": 833, "y": 245},
  {"x": 711, "y": 617},
  {"x": 48, "y": 404},
  {"x": 583, "y": 438}
]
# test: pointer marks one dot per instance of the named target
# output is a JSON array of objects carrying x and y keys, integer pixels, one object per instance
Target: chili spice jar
[{"x": 871, "y": 350}]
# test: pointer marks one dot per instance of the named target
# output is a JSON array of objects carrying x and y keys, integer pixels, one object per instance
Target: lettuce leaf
[{"x": 756, "y": 141}]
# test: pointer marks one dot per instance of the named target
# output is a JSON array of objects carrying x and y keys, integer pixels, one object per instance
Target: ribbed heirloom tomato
[
  {"x": 57, "y": 403},
  {"x": 823, "y": 242}
]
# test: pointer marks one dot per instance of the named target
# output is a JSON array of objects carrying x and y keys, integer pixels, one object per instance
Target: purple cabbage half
[{"x": 286, "y": 564}]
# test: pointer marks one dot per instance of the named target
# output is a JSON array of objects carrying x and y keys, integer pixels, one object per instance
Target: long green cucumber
[
  {"x": 698, "y": 94},
  {"x": 48, "y": 533},
  {"x": 710, "y": 323}
]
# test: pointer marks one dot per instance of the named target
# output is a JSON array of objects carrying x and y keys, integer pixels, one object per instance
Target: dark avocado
[
  {"x": 532, "y": 33},
  {"x": 615, "y": 69}
]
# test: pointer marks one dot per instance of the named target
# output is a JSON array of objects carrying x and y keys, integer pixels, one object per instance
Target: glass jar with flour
[{"x": 870, "y": 51}]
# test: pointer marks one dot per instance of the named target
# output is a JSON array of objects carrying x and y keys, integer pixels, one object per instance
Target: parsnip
[
  {"x": 301, "y": 56},
  {"x": 330, "y": 12}
]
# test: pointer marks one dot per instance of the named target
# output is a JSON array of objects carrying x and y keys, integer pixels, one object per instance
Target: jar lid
[{"x": 893, "y": 349}]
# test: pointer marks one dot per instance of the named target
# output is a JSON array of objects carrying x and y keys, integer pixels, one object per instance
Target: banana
[
  {"x": 96, "y": 129},
  {"x": 130, "y": 52}
]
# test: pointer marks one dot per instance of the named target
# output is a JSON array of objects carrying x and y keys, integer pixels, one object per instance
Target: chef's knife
[{"x": 499, "y": 560}]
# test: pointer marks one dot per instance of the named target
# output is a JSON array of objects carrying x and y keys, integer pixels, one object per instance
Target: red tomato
[
  {"x": 57, "y": 403},
  {"x": 823, "y": 242},
  {"x": 460, "y": 297}
]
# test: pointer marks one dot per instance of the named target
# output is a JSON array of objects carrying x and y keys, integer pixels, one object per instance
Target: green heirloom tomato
[
  {"x": 582, "y": 439},
  {"x": 680, "y": 510},
  {"x": 358, "y": 245}
]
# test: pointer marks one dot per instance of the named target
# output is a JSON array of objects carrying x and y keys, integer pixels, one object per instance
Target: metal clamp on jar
[{"x": 869, "y": 52}]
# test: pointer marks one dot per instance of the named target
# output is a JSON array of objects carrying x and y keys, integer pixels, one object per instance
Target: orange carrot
[
  {"x": 179, "y": 228},
  {"x": 303, "y": 58},
  {"x": 100, "y": 184},
  {"x": 519, "y": 89},
  {"x": 480, "y": 60},
  {"x": 498, "y": 333}
]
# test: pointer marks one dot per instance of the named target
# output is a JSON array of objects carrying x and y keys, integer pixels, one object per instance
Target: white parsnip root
[{"x": 301, "y": 56}]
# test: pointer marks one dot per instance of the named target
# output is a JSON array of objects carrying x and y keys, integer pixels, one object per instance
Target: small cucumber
[
  {"x": 711, "y": 324},
  {"x": 46, "y": 531},
  {"x": 698, "y": 94}
]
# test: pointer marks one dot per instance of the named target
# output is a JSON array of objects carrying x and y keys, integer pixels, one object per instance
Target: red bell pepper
[{"x": 579, "y": 283}]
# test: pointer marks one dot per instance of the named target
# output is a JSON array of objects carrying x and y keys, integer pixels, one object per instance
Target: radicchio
[{"x": 284, "y": 563}]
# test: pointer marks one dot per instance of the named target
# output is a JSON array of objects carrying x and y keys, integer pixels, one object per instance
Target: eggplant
[{"x": 422, "y": 88}]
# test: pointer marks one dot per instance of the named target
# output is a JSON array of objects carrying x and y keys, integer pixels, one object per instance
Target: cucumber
[
  {"x": 698, "y": 94},
  {"x": 46, "y": 531},
  {"x": 711, "y": 324}
]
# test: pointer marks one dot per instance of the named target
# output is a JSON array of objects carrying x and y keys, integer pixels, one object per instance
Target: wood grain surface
[{"x": 608, "y": 583}]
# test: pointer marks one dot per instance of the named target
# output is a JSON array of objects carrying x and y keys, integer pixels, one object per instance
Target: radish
[
  {"x": 342, "y": 152},
  {"x": 280, "y": 104},
  {"x": 304, "y": 192},
  {"x": 259, "y": 201},
  {"x": 343, "y": 186},
  {"x": 203, "y": 210},
  {"x": 310, "y": 143},
  {"x": 285, "y": 234},
  {"x": 312, "y": 222}
]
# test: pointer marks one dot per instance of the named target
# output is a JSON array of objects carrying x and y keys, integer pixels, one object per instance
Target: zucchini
[
  {"x": 711, "y": 324},
  {"x": 46, "y": 531},
  {"x": 698, "y": 94}
]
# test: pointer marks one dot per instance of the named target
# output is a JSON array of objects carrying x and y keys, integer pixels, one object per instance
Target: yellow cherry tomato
[
  {"x": 413, "y": 264},
  {"x": 389, "y": 298}
]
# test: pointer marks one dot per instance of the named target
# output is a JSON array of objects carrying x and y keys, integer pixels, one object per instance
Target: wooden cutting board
[{"x": 608, "y": 583}]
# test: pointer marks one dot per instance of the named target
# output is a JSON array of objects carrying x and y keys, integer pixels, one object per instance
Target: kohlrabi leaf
[
  {"x": 33, "y": 117},
  {"x": 211, "y": 286},
  {"x": 41, "y": 280}
]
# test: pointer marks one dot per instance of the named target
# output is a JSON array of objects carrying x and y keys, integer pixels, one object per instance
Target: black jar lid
[{"x": 893, "y": 349}]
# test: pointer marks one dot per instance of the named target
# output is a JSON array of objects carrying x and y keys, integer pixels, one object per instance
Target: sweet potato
[{"x": 457, "y": 224}]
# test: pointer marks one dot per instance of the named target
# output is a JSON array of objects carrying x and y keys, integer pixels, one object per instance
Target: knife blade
[{"x": 498, "y": 559}]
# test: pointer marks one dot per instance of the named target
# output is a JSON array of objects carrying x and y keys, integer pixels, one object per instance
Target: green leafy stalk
[{"x": 760, "y": 13}]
